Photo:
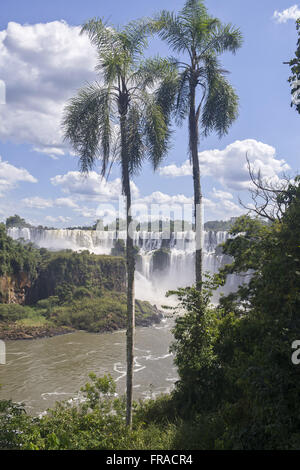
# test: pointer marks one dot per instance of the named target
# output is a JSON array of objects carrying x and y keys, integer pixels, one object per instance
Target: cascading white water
[{"x": 150, "y": 285}]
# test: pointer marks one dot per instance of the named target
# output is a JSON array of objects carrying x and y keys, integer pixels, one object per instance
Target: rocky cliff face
[{"x": 15, "y": 289}]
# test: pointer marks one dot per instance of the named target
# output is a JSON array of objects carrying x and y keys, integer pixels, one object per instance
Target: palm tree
[
  {"x": 200, "y": 39},
  {"x": 132, "y": 98}
]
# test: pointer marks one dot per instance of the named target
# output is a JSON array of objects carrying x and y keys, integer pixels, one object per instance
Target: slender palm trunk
[
  {"x": 194, "y": 139},
  {"x": 130, "y": 262}
]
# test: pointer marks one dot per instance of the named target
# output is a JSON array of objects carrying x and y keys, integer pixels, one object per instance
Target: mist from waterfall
[{"x": 151, "y": 283}]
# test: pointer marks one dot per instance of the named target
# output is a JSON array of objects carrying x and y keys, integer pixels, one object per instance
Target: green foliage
[
  {"x": 94, "y": 391},
  {"x": 15, "y": 257},
  {"x": 195, "y": 334},
  {"x": 238, "y": 387},
  {"x": 194, "y": 34},
  {"x": 82, "y": 309},
  {"x": 97, "y": 423},
  {"x": 61, "y": 273},
  {"x": 295, "y": 72},
  {"x": 14, "y": 312},
  {"x": 16, "y": 221},
  {"x": 220, "y": 225},
  {"x": 98, "y": 314},
  {"x": 128, "y": 78}
]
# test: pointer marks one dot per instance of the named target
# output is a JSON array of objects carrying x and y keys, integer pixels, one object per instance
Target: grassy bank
[{"x": 82, "y": 311}]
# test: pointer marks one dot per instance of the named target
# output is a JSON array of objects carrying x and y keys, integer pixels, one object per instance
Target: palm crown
[
  {"x": 132, "y": 92},
  {"x": 201, "y": 38}
]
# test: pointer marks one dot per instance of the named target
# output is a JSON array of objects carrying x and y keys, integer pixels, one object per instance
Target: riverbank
[
  {"x": 15, "y": 331},
  {"x": 22, "y": 330}
]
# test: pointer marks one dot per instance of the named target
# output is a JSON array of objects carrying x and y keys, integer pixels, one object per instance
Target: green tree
[
  {"x": 16, "y": 221},
  {"x": 238, "y": 384},
  {"x": 123, "y": 102},
  {"x": 295, "y": 72},
  {"x": 200, "y": 40}
]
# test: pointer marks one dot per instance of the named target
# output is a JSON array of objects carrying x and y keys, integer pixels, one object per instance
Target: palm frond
[
  {"x": 101, "y": 35},
  {"x": 135, "y": 35},
  {"x": 150, "y": 72},
  {"x": 170, "y": 29},
  {"x": 226, "y": 38},
  {"x": 165, "y": 94},
  {"x": 183, "y": 93},
  {"x": 195, "y": 19},
  {"x": 220, "y": 107},
  {"x": 135, "y": 139},
  {"x": 86, "y": 125},
  {"x": 157, "y": 133},
  {"x": 193, "y": 9}
]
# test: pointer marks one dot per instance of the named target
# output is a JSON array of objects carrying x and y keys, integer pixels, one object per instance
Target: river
[{"x": 43, "y": 371}]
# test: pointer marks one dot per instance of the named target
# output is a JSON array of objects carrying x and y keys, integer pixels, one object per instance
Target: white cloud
[
  {"x": 221, "y": 210},
  {"x": 161, "y": 198},
  {"x": 173, "y": 171},
  {"x": 220, "y": 206},
  {"x": 218, "y": 194},
  {"x": 37, "y": 202},
  {"x": 10, "y": 176},
  {"x": 291, "y": 13},
  {"x": 91, "y": 186},
  {"x": 65, "y": 202},
  {"x": 229, "y": 166},
  {"x": 42, "y": 65}
]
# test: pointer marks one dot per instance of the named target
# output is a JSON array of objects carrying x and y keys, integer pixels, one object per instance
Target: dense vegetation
[
  {"x": 237, "y": 381},
  {"x": 16, "y": 221},
  {"x": 62, "y": 271},
  {"x": 219, "y": 225},
  {"x": 238, "y": 388},
  {"x": 16, "y": 257},
  {"x": 78, "y": 308}
]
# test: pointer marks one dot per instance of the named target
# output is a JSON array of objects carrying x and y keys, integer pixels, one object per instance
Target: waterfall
[{"x": 150, "y": 285}]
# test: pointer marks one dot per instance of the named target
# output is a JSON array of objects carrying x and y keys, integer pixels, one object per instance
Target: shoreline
[
  {"x": 15, "y": 332},
  {"x": 12, "y": 332}
]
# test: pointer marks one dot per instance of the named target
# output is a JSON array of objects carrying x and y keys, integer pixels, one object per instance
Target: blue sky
[{"x": 43, "y": 60}]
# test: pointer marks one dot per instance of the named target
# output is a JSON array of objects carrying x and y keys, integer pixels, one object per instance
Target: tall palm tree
[
  {"x": 204, "y": 95},
  {"x": 132, "y": 97}
]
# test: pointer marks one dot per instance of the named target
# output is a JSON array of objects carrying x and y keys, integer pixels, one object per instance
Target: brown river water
[{"x": 42, "y": 371}]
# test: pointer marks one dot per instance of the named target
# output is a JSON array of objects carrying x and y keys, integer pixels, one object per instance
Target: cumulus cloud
[
  {"x": 173, "y": 171},
  {"x": 219, "y": 206},
  {"x": 229, "y": 166},
  {"x": 91, "y": 186},
  {"x": 291, "y": 13},
  {"x": 36, "y": 202},
  {"x": 65, "y": 202},
  {"x": 221, "y": 209},
  {"x": 42, "y": 65},
  {"x": 10, "y": 176},
  {"x": 218, "y": 194},
  {"x": 161, "y": 198},
  {"x": 58, "y": 219}
]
